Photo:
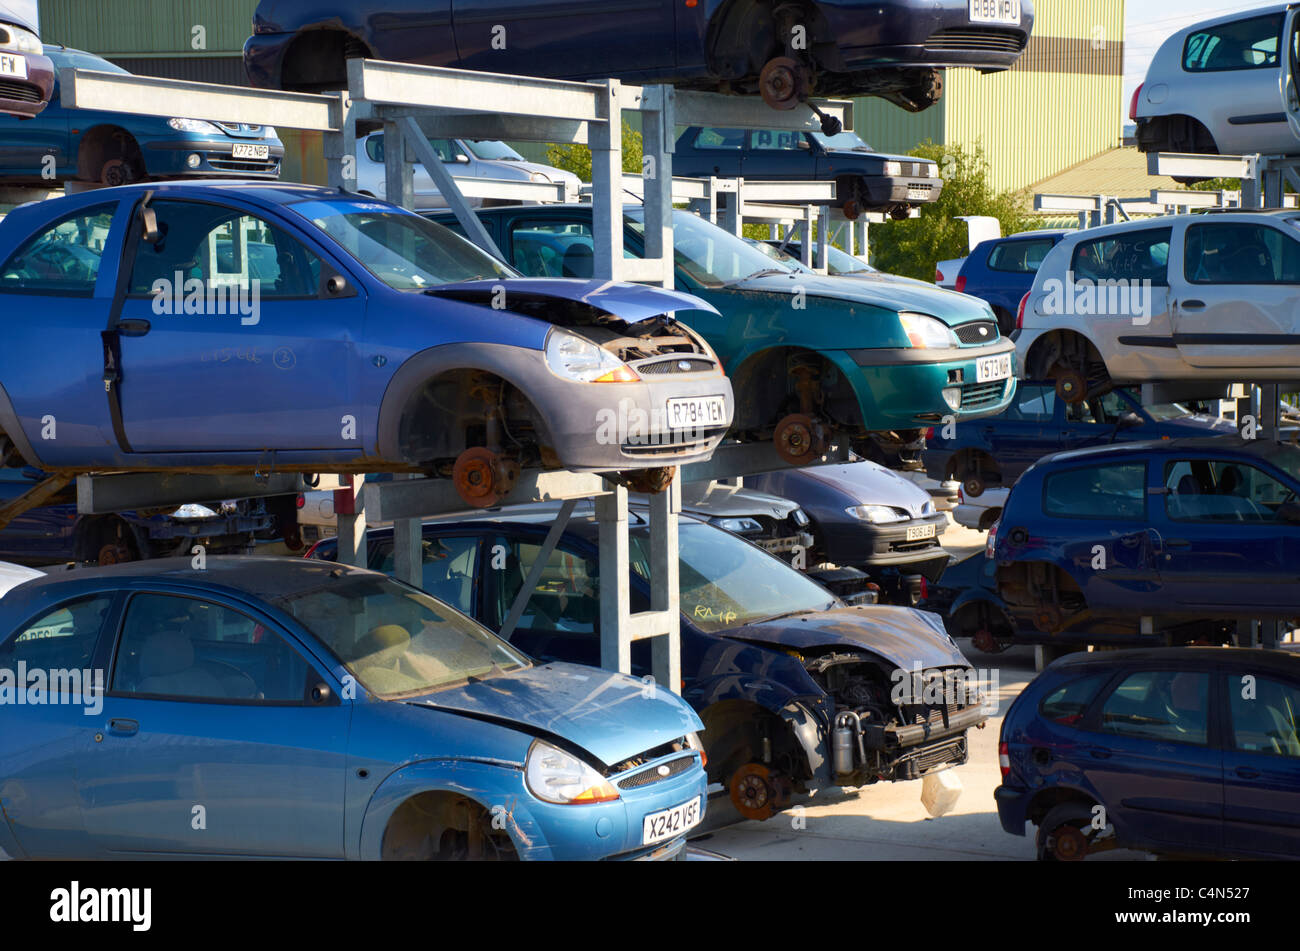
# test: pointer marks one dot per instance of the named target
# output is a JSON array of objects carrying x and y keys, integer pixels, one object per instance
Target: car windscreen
[
  {"x": 492, "y": 150},
  {"x": 842, "y": 141},
  {"x": 725, "y": 582},
  {"x": 711, "y": 256},
  {"x": 841, "y": 262},
  {"x": 396, "y": 640},
  {"x": 403, "y": 250},
  {"x": 66, "y": 59}
]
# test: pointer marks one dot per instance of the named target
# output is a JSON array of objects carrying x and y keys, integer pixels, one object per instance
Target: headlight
[
  {"x": 24, "y": 41},
  {"x": 556, "y": 776},
  {"x": 893, "y": 168},
  {"x": 927, "y": 333},
  {"x": 740, "y": 526},
  {"x": 198, "y": 126},
  {"x": 800, "y": 518},
  {"x": 576, "y": 358},
  {"x": 878, "y": 514},
  {"x": 693, "y": 742},
  {"x": 932, "y": 171}
]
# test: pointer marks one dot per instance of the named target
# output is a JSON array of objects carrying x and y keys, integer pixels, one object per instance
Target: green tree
[
  {"x": 1217, "y": 185},
  {"x": 914, "y": 246},
  {"x": 576, "y": 158}
]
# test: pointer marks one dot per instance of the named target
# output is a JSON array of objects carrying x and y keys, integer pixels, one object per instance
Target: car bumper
[
  {"x": 1013, "y": 804},
  {"x": 887, "y": 191},
  {"x": 903, "y": 388},
  {"x": 868, "y": 545},
  {"x": 929, "y": 35},
  {"x": 216, "y": 159},
  {"x": 27, "y": 97}
]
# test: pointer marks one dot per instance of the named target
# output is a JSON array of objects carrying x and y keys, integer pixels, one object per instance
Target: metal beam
[
  {"x": 150, "y": 96},
  {"x": 419, "y": 143},
  {"x": 102, "y": 494},
  {"x": 523, "y": 595},
  {"x": 615, "y": 596},
  {"x": 736, "y": 112},
  {"x": 730, "y": 461},
  {"x": 420, "y": 498},
  {"x": 491, "y": 126},
  {"x": 1187, "y": 165}
]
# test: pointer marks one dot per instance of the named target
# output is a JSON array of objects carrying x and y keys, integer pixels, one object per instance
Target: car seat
[
  {"x": 167, "y": 667},
  {"x": 579, "y": 261}
]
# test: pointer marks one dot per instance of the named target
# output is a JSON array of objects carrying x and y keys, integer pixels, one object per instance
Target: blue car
[
  {"x": 865, "y": 180},
  {"x": 1001, "y": 271},
  {"x": 277, "y": 707},
  {"x": 995, "y": 451},
  {"x": 796, "y": 690},
  {"x": 258, "y": 326},
  {"x": 114, "y": 148},
  {"x": 1189, "y": 533},
  {"x": 888, "y": 48},
  {"x": 1186, "y": 752}
]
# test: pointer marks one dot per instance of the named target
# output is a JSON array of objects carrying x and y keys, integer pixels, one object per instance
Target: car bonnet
[
  {"x": 899, "y": 296},
  {"x": 629, "y": 302}
]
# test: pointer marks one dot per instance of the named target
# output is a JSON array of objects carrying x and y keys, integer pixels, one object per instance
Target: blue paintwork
[
  {"x": 286, "y": 779},
  {"x": 643, "y": 40},
  {"x": 1015, "y": 440},
  {"x": 207, "y": 390},
  {"x": 61, "y": 132},
  {"x": 1002, "y": 287},
  {"x": 1209, "y": 800},
  {"x": 750, "y": 662},
  {"x": 1172, "y": 570}
]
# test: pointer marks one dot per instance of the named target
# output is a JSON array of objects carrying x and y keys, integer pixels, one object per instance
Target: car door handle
[
  {"x": 1177, "y": 543},
  {"x": 1246, "y": 772},
  {"x": 123, "y": 727},
  {"x": 1098, "y": 752},
  {"x": 134, "y": 327},
  {"x": 1193, "y": 305}
]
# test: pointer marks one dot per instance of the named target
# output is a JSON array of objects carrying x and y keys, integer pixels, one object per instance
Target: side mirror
[
  {"x": 1289, "y": 511},
  {"x": 321, "y": 694},
  {"x": 151, "y": 233},
  {"x": 1290, "y": 69},
  {"x": 1129, "y": 420},
  {"x": 462, "y": 158},
  {"x": 336, "y": 285}
]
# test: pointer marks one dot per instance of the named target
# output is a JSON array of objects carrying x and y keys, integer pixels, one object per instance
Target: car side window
[
  {"x": 553, "y": 248},
  {"x": 1216, "y": 490},
  {"x": 1265, "y": 716},
  {"x": 1240, "y": 44},
  {"x": 217, "y": 251},
  {"x": 1169, "y": 706},
  {"x": 567, "y": 594},
  {"x": 1033, "y": 403},
  {"x": 1106, "y": 492},
  {"x": 1068, "y": 702},
  {"x": 61, "y": 639},
  {"x": 62, "y": 259},
  {"x": 733, "y": 139},
  {"x": 1019, "y": 257},
  {"x": 191, "y": 649},
  {"x": 1127, "y": 256},
  {"x": 449, "y": 569},
  {"x": 1233, "y": 253},
  {"x": 776, "y": 139}
]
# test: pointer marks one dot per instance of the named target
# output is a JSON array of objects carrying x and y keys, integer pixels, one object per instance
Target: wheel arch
[
  {"x": 316, "y": 58},
  {"x": 764, "y": 407},
  {"x": 99, "y": 143}
]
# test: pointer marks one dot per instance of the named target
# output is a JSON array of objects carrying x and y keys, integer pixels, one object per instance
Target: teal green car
[{"x": 810, "y": 357}]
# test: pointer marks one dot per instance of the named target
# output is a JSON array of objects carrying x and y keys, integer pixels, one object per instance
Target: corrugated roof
[{"x": 1119, "y": 173}]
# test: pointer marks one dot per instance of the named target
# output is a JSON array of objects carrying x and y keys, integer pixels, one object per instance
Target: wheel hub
[
  {"x": 483, "y": 478},
  {"x": 799, "y": 439}
]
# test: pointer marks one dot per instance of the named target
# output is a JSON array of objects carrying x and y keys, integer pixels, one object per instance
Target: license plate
[
  {"x": 13, "y": 65},
  {"x": 919, "y": 193},
  {"x": 916, "y": 532},
  {"x": 995, "y": 11},
  {"x": 670, "y": 823},
  {"x": 988, "y": 369},
  {"x": 251, "y": 151},
  {"x": 692, "y": 412}
]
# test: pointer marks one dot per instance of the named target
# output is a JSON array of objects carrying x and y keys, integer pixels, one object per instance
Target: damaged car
[
  {"x": 797, "y": 690},
  {"x": 372, "y": 721},
  {"x": 367, "y": 340}
]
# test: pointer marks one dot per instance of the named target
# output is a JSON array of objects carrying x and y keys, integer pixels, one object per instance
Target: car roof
[
  {"x": 1165, "y": 221},
  {"x": 258, "y": 190},
  {"x": 1232, "y": 17},
  {"x": 1254, "y": 658},
  {"x": 1217, "y": 444},
  {"x": 258, "y": 575}
]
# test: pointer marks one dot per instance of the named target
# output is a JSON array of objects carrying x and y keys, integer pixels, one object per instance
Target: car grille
[
  {"x": 241, "y": 127},
  {"x": 951, "y": 751},
  {"x": 977, "y": 332},
  {"x": 19, "y": 92},
  {"x": 977, "y": 40},
  {"x": 976, "y": 395},
  {"x": 677, "y": 365},
  {"x": 674, "y": 447},
  {"x": 242, "y": 165},
  {"x": 648, "y": 777},
  {"x": 918, "y": 545}
]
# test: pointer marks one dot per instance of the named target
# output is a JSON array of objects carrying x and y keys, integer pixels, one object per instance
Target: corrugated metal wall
[
  {"x": 1059, "y": 105},
  {"x": 115, "y": 28}
]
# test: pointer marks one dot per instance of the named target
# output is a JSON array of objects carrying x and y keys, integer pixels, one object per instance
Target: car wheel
[
  {"x": 783, "y": 83},
  {"x": 115, "y": 172},
  {"x": 1068, "y": 833}
]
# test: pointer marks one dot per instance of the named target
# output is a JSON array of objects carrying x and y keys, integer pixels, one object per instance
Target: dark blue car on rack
[
  {"x": 773, "y": 663},
  {"x": 996, "y": 450},
  {"x": 113, "y": 148},
  {"x": 1186, "y": 534},
  {"x": 1187, "y": 752},
  {"x": 1001, "y": 271}
]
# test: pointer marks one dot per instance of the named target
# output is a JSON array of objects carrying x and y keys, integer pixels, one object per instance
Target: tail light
[
  {"x": 938, "y": 276},
  {"x": 961, "y": 496},
  {"x": 960, "y": 286},
  {"x": 311, "y": 552},
  {"x": 925, "y": 588},
  {"x": 1004, "y": 759},
  {"x": 992, "y": 540},
  {"x": 929, "y": 433},
  {"x": 301, "y": 500},
  {"x": 1133, "y": 103},
  {"x": 1020, "y": 312}
]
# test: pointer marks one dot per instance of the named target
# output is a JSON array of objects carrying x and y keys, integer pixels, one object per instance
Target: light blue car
[{"x": 276, "y": 707}]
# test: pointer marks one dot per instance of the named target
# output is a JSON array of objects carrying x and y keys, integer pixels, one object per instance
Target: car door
[
  {"x": 719, "y": 152},
  {"x": 229, "y": 341},
  {"x": 1009, "y": 272},
  {"x": 41, "y": 743},
  {"x": 449, "y": 567},
  {"x": 1023, "y": 434},
  {"x": 1224, "y": 541},
  {"x": 25, "y": 143},
  {"x": 1155, "y": 760},
  {"x": 209, "y": 742},
  {"x": 1239, "y": 303},
  {"x": 56, "y": 291},
  {"x": 776, "y": 154},
  {"x": 1261, "y": 765},
  {"x": 587, "y": 39}
]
